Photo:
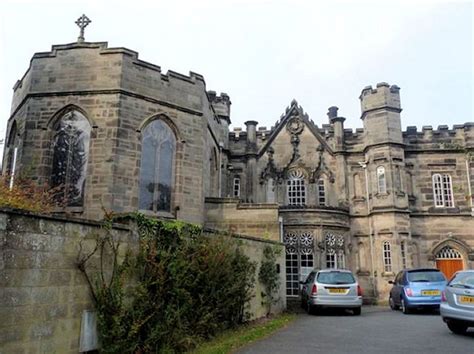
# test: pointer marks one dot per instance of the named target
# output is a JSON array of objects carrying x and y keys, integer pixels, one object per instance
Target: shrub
[
  {"x": 180, "y": 288},
  {"x": 26, "y": 195}
]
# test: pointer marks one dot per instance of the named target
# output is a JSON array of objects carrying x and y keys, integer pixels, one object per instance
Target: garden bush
[
  {"x": 26, "y": 195},
  {"x": 181, "y": 287}
]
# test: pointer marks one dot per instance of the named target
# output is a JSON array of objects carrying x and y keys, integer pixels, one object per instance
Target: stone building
[{"x": 110, "y": 131}]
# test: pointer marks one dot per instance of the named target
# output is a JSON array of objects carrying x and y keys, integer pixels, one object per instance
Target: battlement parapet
[
  {"x": 350, "y": 133},
  {"x": 221, "y": 104},
  {"x": 383, "y": 96},
  {"x": 442, "y": 135},
  {"x": 95, "y": 67}
]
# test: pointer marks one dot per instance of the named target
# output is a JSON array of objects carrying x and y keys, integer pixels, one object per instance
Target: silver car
[
  {"x": 334, "y": 288},
  {"x": 457, "y": 302}
]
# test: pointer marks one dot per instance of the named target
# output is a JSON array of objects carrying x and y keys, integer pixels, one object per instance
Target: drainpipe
[
  {"x": 280, "y": 224},
  {"x": 371, "y": 240}
]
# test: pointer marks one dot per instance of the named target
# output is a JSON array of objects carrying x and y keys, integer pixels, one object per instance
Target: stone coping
[{"x": 60, "y": 218}]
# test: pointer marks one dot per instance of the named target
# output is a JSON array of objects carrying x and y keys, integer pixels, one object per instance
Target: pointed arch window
[
  {"x": 296, "y": 188},
  {"x": 70, "y": 154},
  {"x": 381, "y": 181},
  {"x": 156, "y": 168},
  {"x": 12, "y": 148},
  {"x": 443, "y": 190}
]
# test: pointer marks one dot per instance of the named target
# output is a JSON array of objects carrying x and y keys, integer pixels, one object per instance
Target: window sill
[{"x": 382, "y": 195}]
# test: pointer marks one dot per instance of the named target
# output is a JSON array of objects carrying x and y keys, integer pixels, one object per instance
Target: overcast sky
[{"x": 265, "y": 53}]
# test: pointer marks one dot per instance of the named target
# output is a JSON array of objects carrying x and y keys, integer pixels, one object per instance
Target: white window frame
[
  {"x": 381, "y": 180},
  {"x": 321, "y": 192},
  {"x": 296, "y": 189},
  {"x": 442, "y": 190},
  {"x": 387, "y": 257},
  {"x": 236, "y": 187},
  {"x": 336, "y": 260}
]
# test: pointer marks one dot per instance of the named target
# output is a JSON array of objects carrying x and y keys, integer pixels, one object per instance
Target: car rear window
[
  {"x": 425, "y": 276},
  {"x": 335, "y": 278},
  {"x": 463, "y": 280}
]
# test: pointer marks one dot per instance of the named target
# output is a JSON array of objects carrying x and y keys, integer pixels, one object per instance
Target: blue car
[{"x": 416, "y": 289}]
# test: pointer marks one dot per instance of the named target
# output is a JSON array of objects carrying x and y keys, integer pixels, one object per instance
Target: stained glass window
[
  {"x": 70, "y": 154},
  {"x": 156, "y": 169}
]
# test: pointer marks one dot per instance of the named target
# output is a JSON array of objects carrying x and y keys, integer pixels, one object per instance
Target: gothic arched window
[
  {"x": 12, "y": 149},
  {"x": 156, "y": 168},
  {"x": 70, "y": 153},
  {"x": 381, "y": 182}
]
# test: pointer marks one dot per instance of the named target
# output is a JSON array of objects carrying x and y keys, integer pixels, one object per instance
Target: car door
[
  {"x": 397, "y": 288},
  {"x": 307, "y": 285}
]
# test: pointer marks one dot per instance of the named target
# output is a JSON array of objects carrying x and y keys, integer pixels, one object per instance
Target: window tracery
[
  {"x": 70, "y": 155},
  {"x": 156, "y": 168}
]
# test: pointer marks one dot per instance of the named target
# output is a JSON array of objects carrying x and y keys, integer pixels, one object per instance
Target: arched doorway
[{"x": 449, "y": 261}]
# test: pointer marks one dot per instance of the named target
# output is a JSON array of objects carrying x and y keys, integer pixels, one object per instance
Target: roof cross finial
[{"x": 82, "y": 23}]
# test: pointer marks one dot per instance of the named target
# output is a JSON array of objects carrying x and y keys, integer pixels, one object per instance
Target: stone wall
[
  {"x": 228, "y": 214},
  {"x": 42, "y": 293},
  {"x": 253, "y": 247}
]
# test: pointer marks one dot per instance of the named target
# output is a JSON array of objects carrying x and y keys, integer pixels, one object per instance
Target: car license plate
[
  {"x": 466, "y": 299},
  {"x": 337, "y": 291},
  {"x": 430, "y": 292}
]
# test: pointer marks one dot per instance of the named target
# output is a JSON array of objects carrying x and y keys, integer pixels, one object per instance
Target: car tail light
[
  {"x": 408, "y": 291},
  {"x": 314, "y": 290},
  {"x": 443, "y": 297},
  {"x": 359, "y": 290}
]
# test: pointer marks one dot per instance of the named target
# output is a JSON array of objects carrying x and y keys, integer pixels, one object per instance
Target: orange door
[{"x": 449, "y": 266}]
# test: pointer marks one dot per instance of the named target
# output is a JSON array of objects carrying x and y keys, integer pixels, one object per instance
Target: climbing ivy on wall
[
  {"x": 269, "y": 277},
  {"x": 179, "y": 288}
]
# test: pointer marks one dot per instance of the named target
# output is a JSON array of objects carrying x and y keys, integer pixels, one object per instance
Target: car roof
[
  {"x": 334, "y": 270},
  {"x": 422, "y": 270}
]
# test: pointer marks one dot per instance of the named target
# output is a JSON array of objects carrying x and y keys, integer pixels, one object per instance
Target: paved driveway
[{"x": 377, "y": 330}]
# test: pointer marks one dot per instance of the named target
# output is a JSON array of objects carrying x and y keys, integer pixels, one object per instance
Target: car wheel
[
  {"x": 356, "y": 311},
  {"x": 309, "y": 308},
  {"x": 392, "y": 304},
  {"x": 457, "y": 327},
  {"x": 405, "y": 308},
  {"x": 312, "y": 310}
]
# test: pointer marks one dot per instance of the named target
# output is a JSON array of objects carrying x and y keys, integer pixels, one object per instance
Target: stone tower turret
[{"x": 381, "y": 114}]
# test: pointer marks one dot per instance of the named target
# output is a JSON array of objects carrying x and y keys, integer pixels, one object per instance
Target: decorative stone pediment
[{"x": 295, "y": 120}]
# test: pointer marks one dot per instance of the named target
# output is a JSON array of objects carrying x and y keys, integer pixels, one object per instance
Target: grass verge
[{"x": 230, "y": 340}]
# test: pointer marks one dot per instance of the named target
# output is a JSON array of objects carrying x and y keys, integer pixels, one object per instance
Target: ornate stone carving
[{"x": 295, "y": 125}]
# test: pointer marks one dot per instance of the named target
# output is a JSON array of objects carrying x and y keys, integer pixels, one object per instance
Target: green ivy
[
  {"x": 181, "y": 287},
  {"x": 269, "y": 277}
]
